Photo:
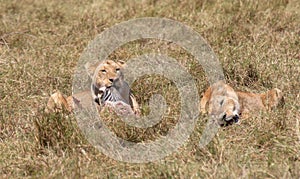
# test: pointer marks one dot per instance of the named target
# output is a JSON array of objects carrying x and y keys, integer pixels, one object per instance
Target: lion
[
  {"x": 221, "y": 102},
  {"x": 109, "y": 76}
]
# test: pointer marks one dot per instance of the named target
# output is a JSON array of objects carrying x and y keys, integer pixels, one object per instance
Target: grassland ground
[{"x": 257, "y": 43}]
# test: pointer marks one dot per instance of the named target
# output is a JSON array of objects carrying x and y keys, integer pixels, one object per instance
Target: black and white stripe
[
  {"x": 112, "y": 95},
  {"x": 119, "y": 91}
]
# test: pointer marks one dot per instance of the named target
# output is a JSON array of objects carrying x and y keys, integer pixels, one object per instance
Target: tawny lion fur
[
  {"x": 221, "y": 102},
  {"x": 252, "y": 102},
  {"x": 220, "y": 99}
]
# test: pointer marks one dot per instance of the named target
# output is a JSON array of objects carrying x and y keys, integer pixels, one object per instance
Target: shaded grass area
[{"x": 40, "y": 43}]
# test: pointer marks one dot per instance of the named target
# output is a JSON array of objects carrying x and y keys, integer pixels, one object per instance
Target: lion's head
[
  {"x": 106, "y": 73},
  {"x": 225, "y": 109}
]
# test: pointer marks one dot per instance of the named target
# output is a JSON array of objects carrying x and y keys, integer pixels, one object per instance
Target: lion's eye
[
  {"x": 103, "y": 71},
  {"x": 118, "y": 69},
  {"x": 221, "y": 103}
]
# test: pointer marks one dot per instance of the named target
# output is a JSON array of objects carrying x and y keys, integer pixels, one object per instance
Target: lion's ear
[{"x": 121, "y": 63}]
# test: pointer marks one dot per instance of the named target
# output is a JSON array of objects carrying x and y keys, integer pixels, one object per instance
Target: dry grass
[{"x": 41, "y": 41}]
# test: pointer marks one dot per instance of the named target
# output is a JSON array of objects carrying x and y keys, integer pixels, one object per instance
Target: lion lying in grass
[
  {"x": 227, "y": 105},
  {"x": 108, "y": 89}
]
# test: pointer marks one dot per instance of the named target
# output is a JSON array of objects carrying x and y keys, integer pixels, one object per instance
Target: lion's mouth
[
  {"x": 230, "y": 120},
  {"x": 102, "y": 89}
]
